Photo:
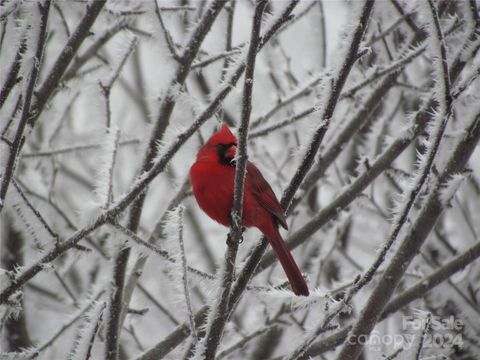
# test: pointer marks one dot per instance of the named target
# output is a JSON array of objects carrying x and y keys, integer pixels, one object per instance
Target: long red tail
[{"x": 299, "y": 286}]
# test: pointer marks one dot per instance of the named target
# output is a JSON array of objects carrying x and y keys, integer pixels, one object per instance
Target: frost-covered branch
[
  {"x": 75, "y": 149},
  {"x": 337, "y": 82},
  {"x": 83, "y": 345},
  {"x": 92, "y": 50},
  {"x": 13, "y": 324},
  {"x": 186, "y": 286},
  {"x": 52, "y": 80},
  {"x": 74, "y": 318},
  {"x": 302, "y": 91},
  {"x": 408, "y": 19},
  {"x": 249, "y": 337},
  {"x": 6, "y": 127},
  {"x": 393, "y": 26},
  {"x": 154, "y": 248},
  {"x": 352, "y": 192},
  {"x": 157, "y": 234},
  {"x": 34, "y": 210},
  {"x": 166, "y": 109},
  {"x": 439, "y": 50},
  {"x": 421, "y": 287},
  {"x": 166, "y": 33},
  {"x": 359, "y": 118},
  {"x": 323, "y": 326},
  {"x": 425, "y": 331},
  {"x": 219, "y": 313},
  {"x": 16, "y": 144},
  {"x": 282, "y": 123},
  {"x": 375, "y": 147},
  {"x": 159, "y": 305},
  {"x": 179, "y": 335},
  {"x": 106, "y": 86},
  {"x": 214, "y": 58},
  {"x": 115, "y": 308},
  {"x": 411, "y": 242},
  {"x": 144, "y": 179},
  {"x": 422, "y": 174},
  {"x": 112, "y": 135},
  {"x": 336, "y": 87},
  {"x": 170, "y": 342},
  {"x": 12, "y": 78},
  {"x": 416, "y": 291}
]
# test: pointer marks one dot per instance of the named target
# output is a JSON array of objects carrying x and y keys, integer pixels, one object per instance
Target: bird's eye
[{"x": 226, "y": 153}]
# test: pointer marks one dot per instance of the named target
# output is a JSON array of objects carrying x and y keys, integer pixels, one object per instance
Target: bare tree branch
[
  {"x": 219, "y": 313},
  {"x": 166, "y": 108},
  {"x": 385, "y": 117},
  {"x": 44, "y": 9},
  {"x": 13, "y": 72},
  {"x": 55, "y": 75},
  {"x": 411, "y": 242},
  {"x": 312, "y": 149},
  {"x": 146, "y": 178},
  {"x": 166, "y": 33}
]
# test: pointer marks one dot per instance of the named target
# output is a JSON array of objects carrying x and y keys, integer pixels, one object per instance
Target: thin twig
[
  {"x": 323, "y": 35},
  {"x": 429, "y": 282},
  {"x": 303, "y": 91},
  {"x": 241, "y": 343},
  {"x": 166, "y": 33},
  {"x": 65, "y": 286},
  {"x": 58, "y": 69},
  {"x": 111, "y": 168},
  {"x": 409, "y": 55},
  {"x": 107, "y": 86},
  {"x": 178, "y": 8},
  {"x": 163, "y": 253},
  {"x": 74, "y": 149},
  {"x": 283, "y": 123},
  {"x": 62, "y": 17},
  {"x": 37, "y": 214},
  {"x": 10, "y": 120},
  {"x": 186, "y": 288},
  {"x": 387, "y": 31},
  {"x": 64, "y": 327},
  {"x": 12, "y": 79},
  {"x": 162, "y": 308},
  {"x": 92, "y": 50},
  {"x": 226, "y": 55},
  {"x": 425, "y": 330}
]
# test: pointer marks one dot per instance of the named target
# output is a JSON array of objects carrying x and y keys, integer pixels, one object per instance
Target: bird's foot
[
  {"x": 240, "y": 240},
  {"x": 230, "y": 237}
]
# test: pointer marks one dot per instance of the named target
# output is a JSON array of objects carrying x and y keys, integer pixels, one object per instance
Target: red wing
[{"x": 264, "y": 194}]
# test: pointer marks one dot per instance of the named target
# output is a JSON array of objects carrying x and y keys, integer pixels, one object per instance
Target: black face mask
[{"x": 222, "y": 154}]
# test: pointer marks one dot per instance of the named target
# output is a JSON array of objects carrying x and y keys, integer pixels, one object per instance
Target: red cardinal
[{"x": 212, "y": 177}]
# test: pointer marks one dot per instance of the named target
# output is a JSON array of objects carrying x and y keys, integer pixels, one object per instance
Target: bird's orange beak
[{"x": 231, "y": 152}]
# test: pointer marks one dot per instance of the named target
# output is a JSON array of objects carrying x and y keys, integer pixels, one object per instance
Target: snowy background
[{"x": 379, "y": 103}]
